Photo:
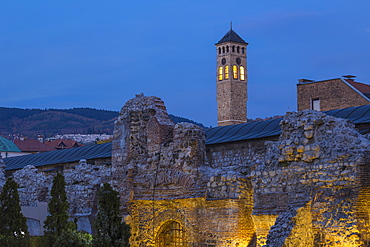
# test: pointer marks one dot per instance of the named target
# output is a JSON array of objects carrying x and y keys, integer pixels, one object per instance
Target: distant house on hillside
[
  {"x": 64, "y": 144},
  {"x": 32, "y": 146},
  {"x": 331, "y": 94}
]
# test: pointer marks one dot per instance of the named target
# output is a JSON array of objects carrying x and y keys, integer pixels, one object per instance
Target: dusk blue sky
[{"x": 99, "y": 54}]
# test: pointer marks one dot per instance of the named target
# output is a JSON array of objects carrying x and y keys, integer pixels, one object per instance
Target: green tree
[
  {"x": 110, "y": 231},
  {"x": 13, "y": 228},
  {"x": 57, "y": 220},
  {"x": 59, "y": 231}
]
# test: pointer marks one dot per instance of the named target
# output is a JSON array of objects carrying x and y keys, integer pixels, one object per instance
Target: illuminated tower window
[
  {"x": 227, "y": 72},
  {"x": 242, "y": 73},
  {"x": 220, "y": 73},
  {"x": 171, "y": 234},
  {"x": 235, "y": 72}
]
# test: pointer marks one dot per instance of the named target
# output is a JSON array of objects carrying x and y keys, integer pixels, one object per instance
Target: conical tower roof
[{"x": 231, "y": 36}]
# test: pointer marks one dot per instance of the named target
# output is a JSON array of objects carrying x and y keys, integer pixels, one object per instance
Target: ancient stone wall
[
  {"x": 164, "y": 176},
  {"x": 309, "y": 187},
  {"x": 316, "y": 162}
]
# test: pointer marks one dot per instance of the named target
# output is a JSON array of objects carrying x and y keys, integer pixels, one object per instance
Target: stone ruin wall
[
  {"x": 164, "y": 176},
  {"x": 308, "y": 188},
  {"x": 82, "y": 183}
]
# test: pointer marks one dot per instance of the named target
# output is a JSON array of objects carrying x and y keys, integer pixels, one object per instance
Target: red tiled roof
[
  {"x": 363, "y": 88},
  {"x": 34, "y": 146},
  {"x": 63, "y": 144}
]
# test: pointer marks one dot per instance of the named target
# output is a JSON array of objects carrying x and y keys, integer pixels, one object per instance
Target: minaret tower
[{"x": 231, "y": 79}]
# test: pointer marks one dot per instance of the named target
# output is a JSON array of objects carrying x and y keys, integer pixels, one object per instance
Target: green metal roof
[
  {"x": 7, "y": 146},
  {"x": 358, "y": 115},
  {"x": 60, "y": 156}
]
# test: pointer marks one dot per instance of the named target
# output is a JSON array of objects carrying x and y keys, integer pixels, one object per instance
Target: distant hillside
[{"x": 49, "y": 122}]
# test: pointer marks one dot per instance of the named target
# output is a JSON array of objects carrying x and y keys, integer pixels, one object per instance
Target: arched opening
[
  {"x": 226, "y": 72},
  {"x": 171, "y": 234},
  {"x": 233, "y": 48},
  {"x": 243, "y": 50},
  {"x": 242, "y": 73},
  {"x": 238, "y": 49},
  {"x": 219, "y": 50},
  {"x": 227, "y": 48},
  {"x": 235, "y": 72},
  {"x": 220, "y": 73},
  {"x": 223, "y": 49}
]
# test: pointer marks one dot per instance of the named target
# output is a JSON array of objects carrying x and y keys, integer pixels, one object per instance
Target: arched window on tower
[
  {"x": 226, "y": 72},
  {"x": 171, "y": 234},
  {"x": 223, "y": 49},
  {"x": 219, "y": 50},
  {"x": 242, "y": 73},
  {"x": 238, "y": 49},
  {"x": 227, "y": 48},
  {"x": 242, "y": 50},
  {"x": 233, "y": 48},
  {"x": 235, "y": 72},
  {"x": 220, "y": 73}
]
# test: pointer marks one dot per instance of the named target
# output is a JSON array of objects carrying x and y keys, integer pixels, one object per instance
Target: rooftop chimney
[
  {"x": 349, "y": 77},
  {"x": 303, "y": 81}
]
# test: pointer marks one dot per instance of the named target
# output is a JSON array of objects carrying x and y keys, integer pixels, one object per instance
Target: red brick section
[
  {"x": 64, "y": 144},
  {"x": 333, "y": 94},
  {"x": 33, "y": 146}
]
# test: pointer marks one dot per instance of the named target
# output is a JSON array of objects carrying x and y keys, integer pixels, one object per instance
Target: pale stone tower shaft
[{"x": 231, "y": 79}]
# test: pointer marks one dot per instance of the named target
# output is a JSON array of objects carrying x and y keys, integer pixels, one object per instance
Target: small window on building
[
  {"x": 223, "y": 49},
  {"x": 233, "y": 48},
  {"x": 243, "y": 50},
  {"x": 235, "y": 72},
  {"x": 315, "y": 104},
  {"x": 227, "y": 72},
  {"x": 242, "y": 73},
  {"x": 219, "y": 50},
  {"x": 238, "y": 49},
  {"x": 220, "y": 73},
  {"x": 227, "y": 48}
]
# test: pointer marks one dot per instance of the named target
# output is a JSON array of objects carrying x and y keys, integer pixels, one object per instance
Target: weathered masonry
[
  {"x": 307, "y": 187},
  {"x": 297, "y": 181}
]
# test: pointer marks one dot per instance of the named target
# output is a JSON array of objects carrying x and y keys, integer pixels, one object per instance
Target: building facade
[{"x": 331, "y": 94}]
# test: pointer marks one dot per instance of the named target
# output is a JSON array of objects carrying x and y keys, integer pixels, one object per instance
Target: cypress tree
[
  {"x": 110, "y": 230},
  {"x": 57, "y": 221},
  {"x": 59, "y": 231},
  {"x": 13, "y": 228}
]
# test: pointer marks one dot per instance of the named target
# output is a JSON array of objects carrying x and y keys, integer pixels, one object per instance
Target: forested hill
[{"x": 49, "y": 122}]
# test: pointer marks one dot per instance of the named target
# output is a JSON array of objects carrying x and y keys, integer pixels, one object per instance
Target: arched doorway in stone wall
[{"x": 171, "y": 234}]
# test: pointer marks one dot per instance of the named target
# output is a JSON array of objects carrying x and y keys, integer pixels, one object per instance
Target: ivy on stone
[
  {"x": 13, "y": 227},
  {"x": 110, "y": 231}
]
